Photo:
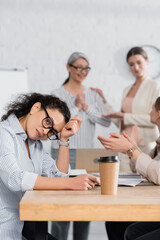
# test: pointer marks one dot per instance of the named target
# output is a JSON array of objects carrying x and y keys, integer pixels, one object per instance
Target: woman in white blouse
[
  {"x": 24, "y": 165},
  {"x": 137, "y": 103}
]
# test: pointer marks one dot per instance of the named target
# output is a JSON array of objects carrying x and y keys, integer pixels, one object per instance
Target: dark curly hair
[{"x": 24, "y": 102}]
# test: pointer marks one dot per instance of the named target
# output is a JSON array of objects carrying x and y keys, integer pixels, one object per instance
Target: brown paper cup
[{"x": 109, "y": 172}]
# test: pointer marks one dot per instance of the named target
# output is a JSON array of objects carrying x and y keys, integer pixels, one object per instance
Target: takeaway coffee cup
[{"x": 109, "y": 172}]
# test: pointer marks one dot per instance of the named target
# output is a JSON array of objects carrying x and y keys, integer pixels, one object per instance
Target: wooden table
[{"x": 140, "y": 203}]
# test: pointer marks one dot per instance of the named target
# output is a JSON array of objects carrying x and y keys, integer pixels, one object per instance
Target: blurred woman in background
[
  {"x": 137, "y": 102},
  {"x": 88, "y": 105}
]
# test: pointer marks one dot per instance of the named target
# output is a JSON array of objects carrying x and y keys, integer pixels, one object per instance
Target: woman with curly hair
[{"x": 24, "y": 165}]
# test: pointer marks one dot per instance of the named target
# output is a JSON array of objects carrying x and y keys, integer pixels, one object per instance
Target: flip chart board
[{"x": 13, "y": 82}]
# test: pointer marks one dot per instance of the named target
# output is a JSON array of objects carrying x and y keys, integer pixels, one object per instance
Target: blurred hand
[
  {"x": 100, "y": 92},
  {"x": 116, "y": 143},
  {"x": 119, "y": 115},
  {"x": 80, "y": 100},
  {"x": 84, "y": 182},
  {"x": 134, "y": 135},
  {"x": 71, "y": 128},
  {"x": 134, "y": 141}
]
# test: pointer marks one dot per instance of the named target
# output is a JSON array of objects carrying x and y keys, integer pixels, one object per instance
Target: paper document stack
[
  {"x": 129, "y": 179},
  {"x": 125, "y": 179}
]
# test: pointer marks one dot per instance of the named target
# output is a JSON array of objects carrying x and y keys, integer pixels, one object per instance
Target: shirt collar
[{"x": 16, "y": 126}]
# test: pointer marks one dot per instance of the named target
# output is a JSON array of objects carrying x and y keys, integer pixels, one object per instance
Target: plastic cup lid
[{"x": 109, "y": 159}]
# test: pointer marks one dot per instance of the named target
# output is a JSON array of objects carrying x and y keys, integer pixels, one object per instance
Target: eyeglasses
[
  {"x": 47, "y": 123},
  {"x": 80, "y": 69}
]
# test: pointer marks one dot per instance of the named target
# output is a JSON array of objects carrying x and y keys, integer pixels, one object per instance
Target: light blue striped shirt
[
  {"x": 85, "y": 136},
  {"x": 18, "y": 173}
]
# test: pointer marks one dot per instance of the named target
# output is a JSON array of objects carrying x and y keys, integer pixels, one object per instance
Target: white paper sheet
[
  {"x": 76, "y": 172},
  {"x": 127, "y": 179}
]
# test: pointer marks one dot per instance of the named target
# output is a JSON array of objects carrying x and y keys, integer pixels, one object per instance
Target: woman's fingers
[
  {"x": 105, "y": 142},
  {"x": 112, "y": 135},
  {"x": 126, "y": 136},
  {"x": 116, "y": 143},
  {"x": 93, "y": 179},
  {"x": 106, "y": 115},
  {"x": 101, "y": 138},
  {"x": 115, "y": 115},
  {"x": 115, "y": 135},
  {"x": 86, "y": 182},
  {"x": 80, "y": 98},
  {"x": 77, "y": 119},
  {"x": 88, "y": 186},
  {"x": 72, "y": 127}
]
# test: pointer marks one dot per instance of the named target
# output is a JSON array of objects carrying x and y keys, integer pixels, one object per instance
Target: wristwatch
[
  {"x": 66, "y": 144},
  {"x": 130, "y": 151}
]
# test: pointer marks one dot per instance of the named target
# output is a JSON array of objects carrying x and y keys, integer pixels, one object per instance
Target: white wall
[{"x": 41, "y": 34}]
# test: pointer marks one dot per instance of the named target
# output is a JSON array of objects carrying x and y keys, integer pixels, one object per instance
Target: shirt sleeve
[
  {"x": 138, "y": 119},
  {"x": 96, "y": 110},
  {"x": 10, "y": 172},
  {"x": 149, "y": 168},
  {"x": 74, "y": 111},
  {"x": 49, "y": 168},
  {"x": 70, "y": 101},
  {"x": 109, "y": 108}
]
